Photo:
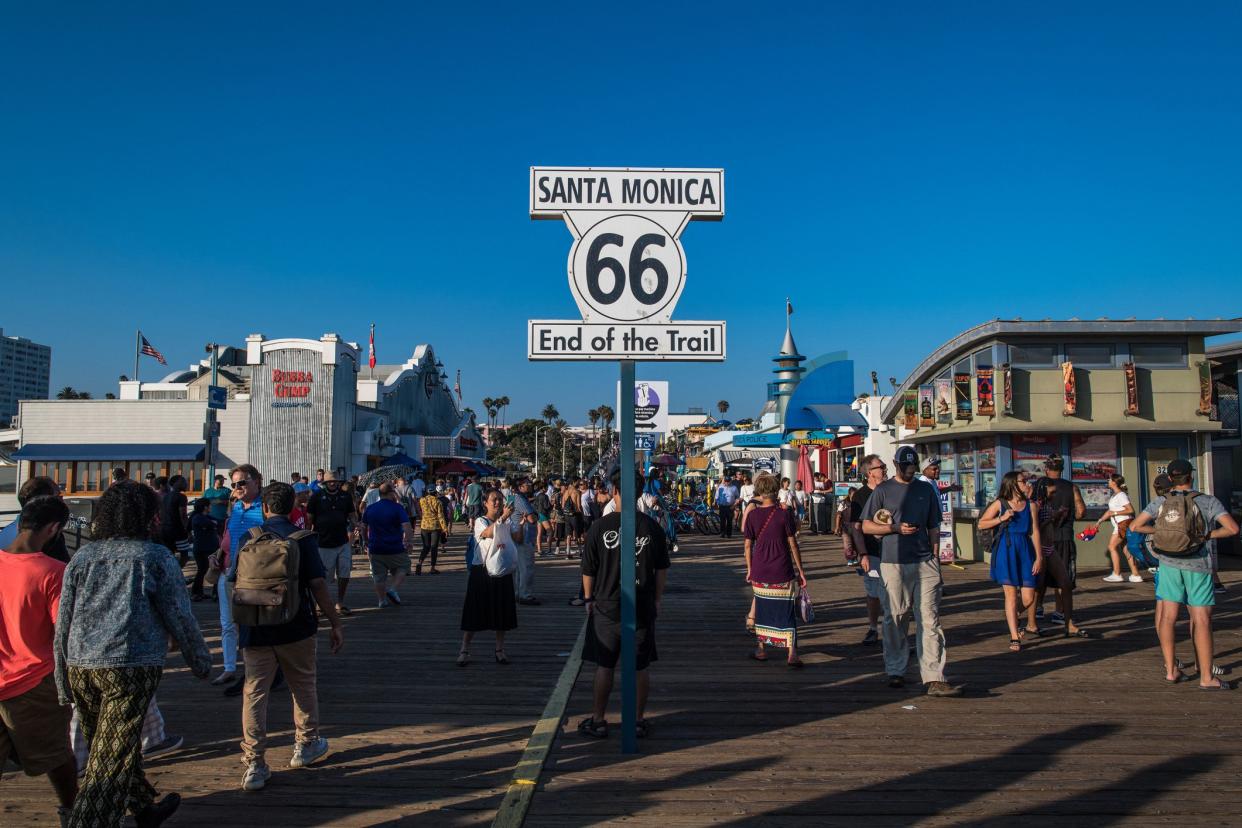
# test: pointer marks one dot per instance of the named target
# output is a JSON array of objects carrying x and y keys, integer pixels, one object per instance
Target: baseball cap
[
  {"x": 1162, "y": 482},
  {"x": 932, "y": 461},
  {"x": 906, "y": 456},
  {"x": 1180, "y": 467},
  {"x": 1054, "y": 461}
]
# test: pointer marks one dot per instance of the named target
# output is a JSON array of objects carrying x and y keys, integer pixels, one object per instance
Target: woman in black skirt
[{"x": 490, "y": 602}]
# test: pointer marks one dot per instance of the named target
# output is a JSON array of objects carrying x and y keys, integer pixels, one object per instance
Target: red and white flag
[
  {"x": 371, "y": 349},
  {"x": 149, "y": 350}
]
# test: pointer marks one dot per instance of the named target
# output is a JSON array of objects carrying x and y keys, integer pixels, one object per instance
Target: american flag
[
  {"x": 149, "y": 350},
  {"x": 371, "y": 349}
]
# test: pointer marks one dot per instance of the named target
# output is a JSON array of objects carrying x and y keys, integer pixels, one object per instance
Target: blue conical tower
[{"x": 788, "y": 372}]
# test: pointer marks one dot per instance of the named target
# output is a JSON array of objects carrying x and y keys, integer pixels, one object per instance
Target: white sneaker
[
  {"x": 308, "y": 753},
  {"x": 1113, "y": 579},
  {"x": 257, "y": 774},
  {"x": 1136, "y": 579}
]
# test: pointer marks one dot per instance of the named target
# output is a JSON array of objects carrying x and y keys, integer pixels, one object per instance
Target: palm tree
[
  {"x": 67, "y": 393},
  {"x": 607, "y": 415},
  {"x": 722, "y": 407},
  {"x": 593, "y": 418},
  {"x": 503, "y": 403},
  {"x": 550, "y": 413},
  {"x": 488, "y": 405}
]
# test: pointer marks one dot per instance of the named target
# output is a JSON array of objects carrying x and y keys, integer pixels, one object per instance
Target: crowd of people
[{"x": 85, "y": 637}]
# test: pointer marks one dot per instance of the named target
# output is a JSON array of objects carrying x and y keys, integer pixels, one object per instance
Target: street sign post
[
  {"x": 217, "y": 397},
  {"x": 627, "y": 269}
]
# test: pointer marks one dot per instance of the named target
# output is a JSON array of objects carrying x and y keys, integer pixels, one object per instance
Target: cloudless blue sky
[{"x": 902, "y": 171}]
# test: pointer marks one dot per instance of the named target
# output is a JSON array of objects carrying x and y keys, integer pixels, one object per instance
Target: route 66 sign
[{"x": 627, "y": 268}]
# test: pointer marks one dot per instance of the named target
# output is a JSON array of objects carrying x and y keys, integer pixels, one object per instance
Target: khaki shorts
[
  {"x": 384, "y": 565},
  {"x": 35, "y": 728}
]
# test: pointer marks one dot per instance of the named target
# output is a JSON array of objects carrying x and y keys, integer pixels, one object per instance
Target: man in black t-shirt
[
  {"x": 330, "y": 513},
  {"x": 601, "y": 589},
  {"x": 174, "y": 518},
  {"x": 866, "y": 547}
]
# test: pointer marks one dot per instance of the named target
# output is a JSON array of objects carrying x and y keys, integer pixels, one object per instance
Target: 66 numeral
[{"x": 597, "y": 264}]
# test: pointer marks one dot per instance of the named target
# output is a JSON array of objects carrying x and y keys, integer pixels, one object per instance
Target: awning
[
  {"x": 110, "y": 451},
  {"x": 400, "y": 459},
  {"x": 744, "y": 455},
  {"x": 836, "y": 415}
]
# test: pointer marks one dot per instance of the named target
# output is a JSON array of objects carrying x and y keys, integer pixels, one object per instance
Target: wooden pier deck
[{"x": 1066, "y": 733}]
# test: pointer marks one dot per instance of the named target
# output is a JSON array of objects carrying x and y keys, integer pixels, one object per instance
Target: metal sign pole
[
  {"x": 629, "y": 614},
  {"x": 212, "y": 440}
]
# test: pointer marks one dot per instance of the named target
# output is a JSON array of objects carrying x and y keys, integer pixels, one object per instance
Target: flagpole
[
  {"x": 137, "y": 352},
  {"x": 371, "y": 355}
]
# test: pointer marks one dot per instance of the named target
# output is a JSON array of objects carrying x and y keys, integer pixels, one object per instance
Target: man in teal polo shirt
[{"x": 218, "y": 497}]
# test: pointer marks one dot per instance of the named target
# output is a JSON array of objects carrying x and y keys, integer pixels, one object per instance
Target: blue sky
[{"x": 902, "y": 172}]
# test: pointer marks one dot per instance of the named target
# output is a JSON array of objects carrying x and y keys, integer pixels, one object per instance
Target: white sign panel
[
  {"x": 650, "y": 406},
  {"x": 553, "y": 339},
  {"x": 626, "y": 268},
  {"x": 555, "y": 191}
]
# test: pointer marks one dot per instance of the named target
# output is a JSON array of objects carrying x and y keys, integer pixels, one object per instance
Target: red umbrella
[{"x": 455, "y": 467}]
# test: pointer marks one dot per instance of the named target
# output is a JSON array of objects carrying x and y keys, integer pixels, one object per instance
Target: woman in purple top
[{"x": 774, "y": 571}]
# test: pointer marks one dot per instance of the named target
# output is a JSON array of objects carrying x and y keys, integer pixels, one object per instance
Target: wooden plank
[{"x": 512, "y": 812}]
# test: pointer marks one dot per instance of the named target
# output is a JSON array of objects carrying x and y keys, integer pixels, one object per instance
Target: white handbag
[{"x": 501, "y": 558}]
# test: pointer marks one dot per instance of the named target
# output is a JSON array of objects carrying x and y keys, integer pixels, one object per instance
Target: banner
[
  {"x": 985, "y": 391},
  {"x": 1205, "y": 390},
  {"x": 944, "y": 400},
  {"x": 1131, "y": 390},
  {"x": 961, "y": 393},
  {"x": 1071, "y": 389},
  {"x": 911, "y": 404},
  {"x": 946, "y": 551},
  {"x": 927, "y": 416},
  {"x": 1006, "y": 380}
]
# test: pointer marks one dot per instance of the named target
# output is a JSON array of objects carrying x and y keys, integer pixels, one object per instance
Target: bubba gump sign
[{"x": 291, "y": 384}]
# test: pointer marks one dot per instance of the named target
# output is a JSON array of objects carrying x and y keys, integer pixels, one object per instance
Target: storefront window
[
  {"x": 1030, "y": 451},
  {"x": 966, "y": 455},
  {"x": 987, "y": 453},
  {"x": 1033, "y": 356},
  {"x": 1090, "y": 356},
  {"x": 1093, "y": 457},
  {"x": 988, "y": 479},
  {"x": 967, "y": 482},
  {"x": 1158, "y": 354},
  {"x": 948, "y": 460},
  {"x": 851, "y": 457}
]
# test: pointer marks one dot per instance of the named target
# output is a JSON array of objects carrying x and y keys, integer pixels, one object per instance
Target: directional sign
[
  {"x": 627, "y": 268},
  {"x": 650, "y": 405},
  {"x": 217, "y": 397}
]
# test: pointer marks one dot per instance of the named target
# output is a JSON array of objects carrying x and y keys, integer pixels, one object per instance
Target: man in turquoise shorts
[{"x": 1187, "y": 579}]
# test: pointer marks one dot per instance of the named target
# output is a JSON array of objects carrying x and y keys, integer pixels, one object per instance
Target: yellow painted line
[{"x": 512, "y": 811}]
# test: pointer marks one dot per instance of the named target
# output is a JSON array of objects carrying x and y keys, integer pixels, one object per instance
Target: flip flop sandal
[
  {"x": 1038, "y": 633},
  {"x": 1224, "y": 685},
  {"x": 794, "y": 665},
  {"x": 1181, "y": 677},
  {"x": 1015, "y": 645},
  {"x": 344, "y": 610},
  {"x": 593, "y": 729},
  {"x": 1079, "y": 633},
  {"x": 755, "y": 656},
  {"x": 1217, "y": 670},
  {"x": 641, "y": 728}
]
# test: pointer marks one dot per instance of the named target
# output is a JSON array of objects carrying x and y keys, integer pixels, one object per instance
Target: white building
[{"x": 294, "y": 405}]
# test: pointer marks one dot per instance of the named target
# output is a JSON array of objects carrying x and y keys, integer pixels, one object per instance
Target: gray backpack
[{"x": 1181, "y": 529}]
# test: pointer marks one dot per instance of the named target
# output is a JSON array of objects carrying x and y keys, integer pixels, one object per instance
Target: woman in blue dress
[{"x": 1016, "y": 561}]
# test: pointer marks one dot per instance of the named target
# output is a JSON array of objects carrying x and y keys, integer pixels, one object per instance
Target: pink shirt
[{"x": 29, "y": 600}]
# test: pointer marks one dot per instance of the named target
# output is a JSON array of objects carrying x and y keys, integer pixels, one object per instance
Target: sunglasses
[{"x": 240, "y": 484}]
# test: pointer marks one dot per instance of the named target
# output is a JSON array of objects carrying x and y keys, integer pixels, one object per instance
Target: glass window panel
[
  {"x": 966, "y": 455},
  {"x": 1031, "y": 450},
  {"x": 982, "y": 357},
  {"x": 1093, "y": 457},
  {"x": 948, "y": 459},
  {"x": 967, "y": 482},
  {"x": 1158, "y": 354},
  {"x": 1033, "y": 356},
  {"x": 1084, "y": 354},
  {"x": 987, "y": 453},
  {"x": 989, "y": 486}
]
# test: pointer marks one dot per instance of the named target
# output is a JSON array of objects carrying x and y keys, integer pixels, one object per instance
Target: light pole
[{"x": 537, "y": 429}]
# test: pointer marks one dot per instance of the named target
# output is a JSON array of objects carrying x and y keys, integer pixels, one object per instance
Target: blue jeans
[{"x": 228, "y": 629}]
